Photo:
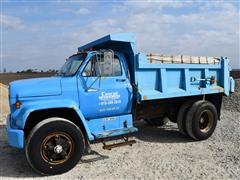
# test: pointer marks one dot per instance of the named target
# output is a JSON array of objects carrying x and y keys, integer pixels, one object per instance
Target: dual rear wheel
[{"x": 197, "y": 119}]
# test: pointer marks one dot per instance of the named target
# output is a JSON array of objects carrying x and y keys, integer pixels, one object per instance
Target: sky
[{"x": 42, "y": 34}]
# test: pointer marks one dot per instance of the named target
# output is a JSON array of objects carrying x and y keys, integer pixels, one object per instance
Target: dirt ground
[
  {"x": 4, "y": 105},
  {"x": 160, "y": 153}
]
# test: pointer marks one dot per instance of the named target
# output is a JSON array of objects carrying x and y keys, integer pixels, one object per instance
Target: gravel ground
[
  {"x": 160, "y": 153},
  {"x": 232, "y": 102}
]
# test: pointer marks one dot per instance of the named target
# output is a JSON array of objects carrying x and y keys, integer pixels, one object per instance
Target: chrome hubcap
[{"x": 58, "y": 149}]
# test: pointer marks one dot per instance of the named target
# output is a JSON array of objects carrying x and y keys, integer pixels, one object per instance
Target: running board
[{"x": 125, "y": 143}]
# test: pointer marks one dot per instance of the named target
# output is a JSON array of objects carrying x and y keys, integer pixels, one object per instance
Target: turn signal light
[{"x": 17, "y": 105}]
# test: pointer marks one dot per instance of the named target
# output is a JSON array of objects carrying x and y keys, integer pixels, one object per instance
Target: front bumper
[{"x": 15, "y": 136}]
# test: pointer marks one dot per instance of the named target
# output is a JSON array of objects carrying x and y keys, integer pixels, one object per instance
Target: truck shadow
[
  {"x": 93, "y": 156},
  {"x": 164, "y": 134}
]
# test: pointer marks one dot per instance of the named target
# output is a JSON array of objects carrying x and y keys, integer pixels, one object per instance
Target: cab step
[{"x": 114, "y": 145}]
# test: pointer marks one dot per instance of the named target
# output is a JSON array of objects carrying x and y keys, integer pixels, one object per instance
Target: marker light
[{"x": 17, "y": 105}]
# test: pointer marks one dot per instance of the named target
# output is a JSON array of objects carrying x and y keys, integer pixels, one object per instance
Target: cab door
[{"x": 104, "y": 88}]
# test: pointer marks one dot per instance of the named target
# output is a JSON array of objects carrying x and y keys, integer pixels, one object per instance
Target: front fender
[{"x": 21, "y": 115}]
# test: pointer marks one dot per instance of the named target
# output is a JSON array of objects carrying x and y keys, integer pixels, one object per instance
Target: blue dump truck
[{"x": 101, "y": 90}]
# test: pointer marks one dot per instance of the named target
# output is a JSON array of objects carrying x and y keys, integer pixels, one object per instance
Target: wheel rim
[
  {"x": 56, "y": 148},
  {"x": 206, "y": 121}
]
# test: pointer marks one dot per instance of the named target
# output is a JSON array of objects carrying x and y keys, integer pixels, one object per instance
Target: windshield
[{"x": 72, "y": 64}]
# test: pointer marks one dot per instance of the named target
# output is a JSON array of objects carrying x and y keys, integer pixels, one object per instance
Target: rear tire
[
  {"x": 54, "y": 146},
  {"x": 201, "y": 120},
  {"x": 181, "y": 116}
]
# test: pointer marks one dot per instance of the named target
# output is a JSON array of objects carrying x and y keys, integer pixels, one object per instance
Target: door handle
[
  {"x": 91, "y": 90},
  {"x": 120, "y": 80}
]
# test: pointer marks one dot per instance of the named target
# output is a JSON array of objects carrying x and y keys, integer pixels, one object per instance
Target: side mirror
[
  {"x": 105, "y": 62},
  {"x": 108, "y": 62}
]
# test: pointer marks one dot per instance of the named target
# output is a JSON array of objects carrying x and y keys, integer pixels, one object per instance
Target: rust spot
[
  {"x": 219, "y": 89},
  {"x": 145, "y": 97}
]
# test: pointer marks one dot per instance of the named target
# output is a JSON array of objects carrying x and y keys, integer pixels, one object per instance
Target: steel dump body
[
  {"x": 157, "y": 81},
  {"x": 168, "y": 79}
]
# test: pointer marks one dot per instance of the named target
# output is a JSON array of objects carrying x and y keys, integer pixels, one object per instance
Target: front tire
[
  {"x": 54, "y": 146},
  {"x": 201, "y": 120}
]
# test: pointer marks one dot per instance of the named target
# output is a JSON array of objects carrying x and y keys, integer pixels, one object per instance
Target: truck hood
[{"x": 35, "y": 87}]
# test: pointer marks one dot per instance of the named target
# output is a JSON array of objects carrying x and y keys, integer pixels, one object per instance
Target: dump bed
[
  {"x": 162, "y": 76},
  {"x": 158, "y": 76}
]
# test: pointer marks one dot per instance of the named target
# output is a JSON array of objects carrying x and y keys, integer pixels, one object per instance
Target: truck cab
[
  {"x": 104, "y": 90},
  {"x": 101, "y": 90}
]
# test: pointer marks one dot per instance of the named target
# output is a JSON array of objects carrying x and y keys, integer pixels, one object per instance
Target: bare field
[{"x": 6, "y": 78}]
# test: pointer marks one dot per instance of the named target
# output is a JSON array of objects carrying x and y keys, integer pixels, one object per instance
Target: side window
[
  {"x": 92, "y": 68},
  {"x": 102, "y": 65}
]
